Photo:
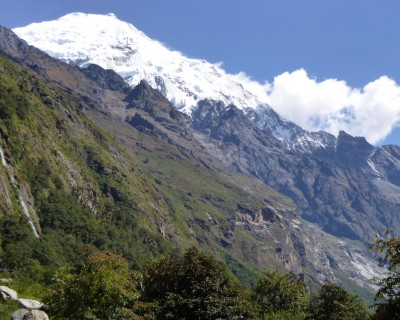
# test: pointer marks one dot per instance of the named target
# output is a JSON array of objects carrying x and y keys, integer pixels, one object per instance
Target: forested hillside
[{"x": 81, "y": 185}]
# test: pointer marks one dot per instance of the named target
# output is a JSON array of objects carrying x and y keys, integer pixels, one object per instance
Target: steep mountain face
[
  {"x": 72, "y": 182},
  {"x": 84, "y": 39},
  {"x": 339, "y": 188},
  {"x": 96, "y": 188},
  {"x": 344, "y": 186},
  {"x": 225, "y": 150},
  {"x": 293, "y": 137},
  {"x": 176, "y": 155}
]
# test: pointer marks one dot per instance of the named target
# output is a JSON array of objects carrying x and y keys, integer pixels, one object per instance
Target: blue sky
[{"x": 356, "y": 41}]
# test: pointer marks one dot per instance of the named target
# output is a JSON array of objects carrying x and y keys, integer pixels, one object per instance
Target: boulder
[
  {"x": 19, "y": 314},
  {"x": 30, "y": 304},
  {"x": 36, "y": 315},
  {"x": 8, "y": 294}
]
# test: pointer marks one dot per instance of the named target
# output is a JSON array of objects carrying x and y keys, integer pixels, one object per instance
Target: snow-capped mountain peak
[{"x": 81, "y": 39}]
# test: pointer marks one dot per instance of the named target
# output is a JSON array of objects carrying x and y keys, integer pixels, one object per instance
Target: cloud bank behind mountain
[{"x": 331, "y": 105}]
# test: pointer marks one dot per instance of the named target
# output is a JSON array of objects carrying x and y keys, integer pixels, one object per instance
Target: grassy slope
[
  {"x": 204, "y": 201},
  {"x": 87, "y": 190}
]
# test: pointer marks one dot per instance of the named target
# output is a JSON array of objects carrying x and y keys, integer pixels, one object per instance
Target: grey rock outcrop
[
  {"x": 36, "y": 315},
  {"x": 30, "y": 304},
  {"x": 23, "y": 314},
  {"x": 19, "y": 314},
  {"x": 106, "y": 79},
  {"x": 30, "y": 307},
  {"x": 8, "y": 294}
]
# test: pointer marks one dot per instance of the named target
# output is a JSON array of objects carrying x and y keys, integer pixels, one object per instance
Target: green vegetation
[
  {"x": 387, "y": 300},
  {"x": 205, "y": 202},
  {"x": 101, "y": 289},
  {"x": 335, "y": 303},
  {"x": 196, "y": 286},
  {"x": 281, "y": 295},
  {"x": 87, "y": 193},
  {"x": 366, "y": 295},
  {"x": 7, "y": 308}
]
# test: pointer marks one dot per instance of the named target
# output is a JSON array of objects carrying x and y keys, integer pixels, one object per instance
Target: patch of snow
[
  {"x": 372, "y": 166},
  {"x": 296, "y": 223}
]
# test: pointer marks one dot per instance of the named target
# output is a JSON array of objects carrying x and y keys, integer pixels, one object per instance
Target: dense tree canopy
[
  {"x": 197, "y": 286},
  {"x": 100, "y": 290},
  {"x": 281, "y": 296},
  {"x": 335, "y": 303},
  {"x": 387, "y": 300}
]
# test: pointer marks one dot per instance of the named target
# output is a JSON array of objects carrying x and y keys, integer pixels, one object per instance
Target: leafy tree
[
  {"x": 103, "y": 289},
  {"x": 197, "y": 286},
  {"x": 281, "y": 296},
  {"x": 335, "y": 303},
  {"x": 387, "y": 299}
]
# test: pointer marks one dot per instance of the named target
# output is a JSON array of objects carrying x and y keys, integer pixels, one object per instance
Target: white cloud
[{"x": 331, "y": 105}]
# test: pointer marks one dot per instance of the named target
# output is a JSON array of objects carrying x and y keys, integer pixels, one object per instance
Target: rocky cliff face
[
  {"x": 224, "y": 139},
  {"x": 339, "y": 186}
]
